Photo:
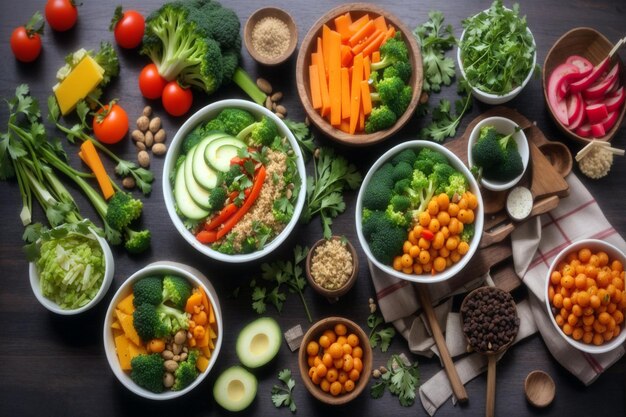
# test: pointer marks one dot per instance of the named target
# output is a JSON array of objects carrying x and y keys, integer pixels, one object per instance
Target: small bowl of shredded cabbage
[{"x": 71, "y": 269}]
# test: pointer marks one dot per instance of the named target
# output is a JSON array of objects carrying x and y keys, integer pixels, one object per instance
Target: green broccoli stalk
[
  {"x": 147, "y": 371},
  {"x": 262, "y": 132},
  {"x": 176, "y": 290},
  {"x": 186, "y": 372}
]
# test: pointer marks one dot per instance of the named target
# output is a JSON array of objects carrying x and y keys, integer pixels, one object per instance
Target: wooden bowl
[
  {"x": 304, "y": 60},
  {"x": 258, "y": 16},
  {"x": 592, "y": 45},
  {"x": 539, "y": 388},
  {"x": 313, "y": 334},
  {"x": 333, "y": 295}
]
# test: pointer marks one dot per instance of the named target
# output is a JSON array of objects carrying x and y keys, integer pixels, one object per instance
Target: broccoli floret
[
  {"x": 431, "y": 155},
  {"x": 468, "y": 232},
  {"x": 217, "y": 198},
  {"x": 380, "y": 118},
  {"x": 441, "y": 176},
  {"x": 233, "y": 172},
  {"x": 400, "y": 69},
  {"x": 147, "y": 322},
  {"x": 384, "y": 174},
  {"x": 402, "y": 101},
  {"x": 400, "y": 203},
  {"x": 137, "y": 242},
  {"x": 402, "y": 170},
  {"x": 457, "y": 184},
  {"x": 196, "y": 135},
  {"x": 386, "y": 242},
  {"x": 224, "y": 26},
  {"x": 186, "y": 372},
  {"x": 376, "y": 196},
  {"x": 392, "y": 51},
  {"x": 424, "y": 165},
  {"x": 393, "y": 93},
  {"x": 122, "y": 210},
  {"x": 148, "y": 290},
  {"x": 398, "y": 218},
  {"x": 407, "y": 155},
  {"x": 401, "y": 185},
  {"x": 511, "y": 167},
  {"x": 176, "y": 290},
  {"x": 371, "y": 222},
  {"x": 262, "y": 132},
  {"x": 487, "y": 152},
  {"x": 147, "y": 371},
  {"x": 214, "y": 125},
  {"x": 235, "y": 120},
  {"x": 173, "y": 319}
]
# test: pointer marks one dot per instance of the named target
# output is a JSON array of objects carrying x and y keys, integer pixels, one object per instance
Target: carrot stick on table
[
  {"x": 345, "y": 93},
  {"x": 355, "y": 92},
  {"x": 316, "y": 92},
  {"x": 93, "y": 161},
  {"x": 334, "y": 77}
]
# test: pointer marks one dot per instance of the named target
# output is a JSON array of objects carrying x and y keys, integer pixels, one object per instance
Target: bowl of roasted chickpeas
[{"x": 585, "y": 295}]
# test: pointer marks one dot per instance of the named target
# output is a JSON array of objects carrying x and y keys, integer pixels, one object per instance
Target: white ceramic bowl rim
[
  {"x": 522, "y": 147},
  {"x": 109, "y": 268},
  {"x": 497, "y": 98},
  {"x": 613, "y": 253},
  {"x": 196, "y": 278},
  {"x": 204, "y": 114},
  {"x": 478, "y": 222}
]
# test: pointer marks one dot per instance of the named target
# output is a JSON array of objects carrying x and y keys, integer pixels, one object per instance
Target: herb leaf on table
[
  {"x": 401, "y": 379},
  {"x": 381, "y": 337},
  {"x": 324, "y": 191},
  {"x": 445, "y": 121},
  {"x": 283, "y": 395},
  {"x": 303, "y": 136}
]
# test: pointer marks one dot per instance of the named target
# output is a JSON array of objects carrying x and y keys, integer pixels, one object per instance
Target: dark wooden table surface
[{"x": 55, "y": 366}]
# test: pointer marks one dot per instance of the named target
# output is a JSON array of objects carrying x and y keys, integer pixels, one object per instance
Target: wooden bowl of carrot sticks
[{"x": 335, "y": 63}]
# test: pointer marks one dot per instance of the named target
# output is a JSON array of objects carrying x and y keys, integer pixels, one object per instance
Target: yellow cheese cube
[{"x": 83, "y": 79}]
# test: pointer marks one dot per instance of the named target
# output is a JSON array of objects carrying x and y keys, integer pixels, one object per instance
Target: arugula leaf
[
  {"x": 401, "y": 379},
  {"x": 324, "y": 193},
  {"x": 379, "y": 337},
  {"x": 281, "y": 395},
  {"x": 444, "y": 121}
]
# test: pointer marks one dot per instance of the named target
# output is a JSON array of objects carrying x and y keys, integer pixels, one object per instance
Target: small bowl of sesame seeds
[
  {"x": 332, "y": 267},
  {"x": 270, "y": 36}
]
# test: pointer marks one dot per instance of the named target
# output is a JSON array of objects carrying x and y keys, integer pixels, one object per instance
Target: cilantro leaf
[
  {"x": 382, "y": 337},
  {"x": 444, "y": 121},
  {"x": 401, "y": 379},
  {"x": 283, "y": 395},
  {"x": 303, "y": 136}
]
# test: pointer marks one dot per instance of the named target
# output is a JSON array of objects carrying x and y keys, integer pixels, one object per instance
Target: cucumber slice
[
  {"x": 220, "y": 151},
  {"x": 199, "y": 194},
  {"x": 185, "y": 203},
  {"x": 202, "y": 172}
]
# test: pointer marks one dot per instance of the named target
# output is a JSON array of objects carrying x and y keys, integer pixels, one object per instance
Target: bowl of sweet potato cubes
[{"x": 163, "y": 330}]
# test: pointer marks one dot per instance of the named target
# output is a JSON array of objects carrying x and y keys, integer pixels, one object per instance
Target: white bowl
[
  {"x": 109, "y": 268},
  {"x": 197, "y": 279},
  {"x": 206, "y": 113},
  {"x": 504, "y": 126},
  {"x": 489, "y": 98},
  {"x": 595, "y": 246},
  {"x": 456, "y": 163}
]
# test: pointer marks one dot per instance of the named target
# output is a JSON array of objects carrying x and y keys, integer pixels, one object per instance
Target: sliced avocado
[
  {"x": 235, "y": 389},
  {"x": 202, "y": 172},
  {"x": 259, "y": 342},
  {"x": 186, "y": 205},
  {"x": 198, "y": 193},
  {"x": 220, "y": 151}
]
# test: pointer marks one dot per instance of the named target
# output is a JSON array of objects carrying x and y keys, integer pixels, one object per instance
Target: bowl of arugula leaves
[{"x": 497, "y": 54}]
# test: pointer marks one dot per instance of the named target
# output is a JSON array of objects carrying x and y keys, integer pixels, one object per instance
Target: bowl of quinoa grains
[
  {"x": 332, "y": 267},
  {"x": 270, "y": 36}
]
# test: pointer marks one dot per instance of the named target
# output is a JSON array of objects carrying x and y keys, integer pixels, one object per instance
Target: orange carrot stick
[
  {"x": 334, "y": 77},
  {"x": 359, "y": 23},
  {"x": 361, "y": 126},
  {"x": 366, "y": 99},
  {"x": 361, "y": 46},
  {"x": 316, "y": 92},
  {"x": 342, "y": 25},
  {"x": 318, "y": 59},
  {"x": 95, "y": 164},
  {"x": 374, "y": 45},
  {"x": 345, "y": 126},
  {"x": 325, "y": 46},
  {"x": 355, "y": 92},
  {"x": 375, "y": 57},
  {"x": 366, "y": 68},
  {"x": 345, "y": 93},
  {"x": 346, "y": 56},
  {"x": 381, "y": 23},
  {"x": 391, "y": 32},
  {"x": 362, "y": 34}
]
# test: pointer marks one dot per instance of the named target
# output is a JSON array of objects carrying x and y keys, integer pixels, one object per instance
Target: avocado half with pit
[
  {"x": 235, "y": 389},
  {"x": 259, "y": 342}
]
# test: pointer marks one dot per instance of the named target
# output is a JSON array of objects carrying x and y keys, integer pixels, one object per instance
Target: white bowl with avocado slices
[
  {"x": 188, "y": 183},
  {"x": 119, "y": 324}
]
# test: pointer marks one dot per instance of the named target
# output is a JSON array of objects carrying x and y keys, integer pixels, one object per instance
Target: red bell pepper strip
[
  {"x": 205, "y": 236},
  {"x": 254, "y": 194},
  {"x": 222, "y": 216}
]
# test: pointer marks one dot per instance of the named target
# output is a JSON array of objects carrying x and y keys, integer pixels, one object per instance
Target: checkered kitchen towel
[{"x": 534, "y": 246}]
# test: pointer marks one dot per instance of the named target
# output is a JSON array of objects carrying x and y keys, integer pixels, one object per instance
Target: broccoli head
[
  {"x": 214, "y": 125},
  {"x": 400, "y": 203},
  {"x": 198, "y": 133},
  {"x": 262, "y": 132},
  {"x": 217, "y": 198},
  {"x": 172, "y": 318},
  {"x": 407, "y": 155},
  {"x": 386, "y": 242},
  {"x": 148, "y": 290},
  {"x": 402, "y": 170},
  {"x": 371, "y": 221},
  {"x": 401, "y": 69},
  {"x": 457, "y": 184},
  {"x": 122, "y": 210},
  {"x": 233, "y": 172},
  {"x": 433, "y": 156},
  {"x": 147, "y": 322},
  {"x": 186, "y": 372},
  {"x": 397, "y": 217},
  {"x": 376, "y": 196},
  {"x": 441, "y": 176},
  {"x": 487, "y": 152},
  {"x": 392, "y": 51},
  {"x": 380, "y": 118},
  {"x": 176, "y": 290},
  {"x": 137, "y": 242},
  {"x": 235, "y": 120},
  {"x": 147, "y": 371},
  {"x": 384, "y": 175},
  {"x": 511, "y": 167}
]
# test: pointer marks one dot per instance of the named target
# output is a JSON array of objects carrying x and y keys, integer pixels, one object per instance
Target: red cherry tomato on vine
[
  {"x": 25, "y": 40},
  {"x": 61, "y": 14},
  {"x": 151, "y": 84},
  {"x": 176, "y": 99},
  {"x": 128, "y": 28},
  {"x": 110, "y": 124}
]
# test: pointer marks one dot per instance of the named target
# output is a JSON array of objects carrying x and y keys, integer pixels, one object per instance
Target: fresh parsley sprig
[
  {"x": 324, "y": 191},
  {"x": 401, "y": 379},
  {"x": 303, "y": 136},
  {"x": 444, "y": 121},
  {"x": 282, "y": 396},
  {"x": 381, "y": 337},
  {"x": 279, "y": 274}
]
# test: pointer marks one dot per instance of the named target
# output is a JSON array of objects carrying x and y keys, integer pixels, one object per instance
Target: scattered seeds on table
[
  {"x": 264, "y": 85},
  {"x": 141, "y": 146},
  {"x": 128, "y": 183},
  {"x": 159, "y": 137},
  {"x": 281, "y": 109},
  {"x": 137, "y": 136},
  {"x": 143, "y": 158},
  {"x": 149, "y": 139},
  {"x": 268, "y": 103},
  {"x": 143, "y": 123},
  {"x": 147, "y": 111},
  {"x": 159, "y": 149},
  {"x": 280, "y": 115},
  {"x": 277, "y": 96},
  {"x": 155, "y": 124}
]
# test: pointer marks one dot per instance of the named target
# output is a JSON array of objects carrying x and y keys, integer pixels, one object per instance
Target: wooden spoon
[{"x": 455, "y": 381}]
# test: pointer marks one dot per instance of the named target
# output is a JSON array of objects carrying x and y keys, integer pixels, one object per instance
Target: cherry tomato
[
  {"x": 61, "y": 14},
  {"x": 176, "y": 99},
  {"x": 110, "y": 126},
  {"x": 151, "y": 84},
  {"x": 25, "y": 40},
  {"x": 128, "y": 28}
]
